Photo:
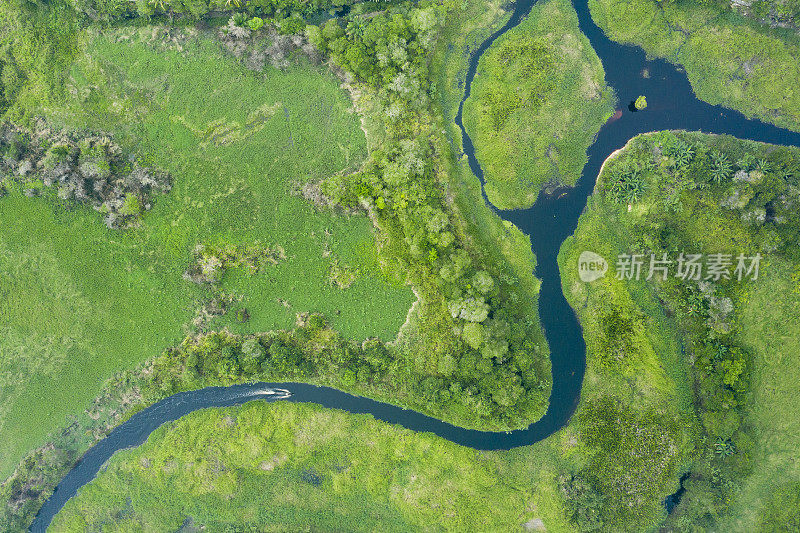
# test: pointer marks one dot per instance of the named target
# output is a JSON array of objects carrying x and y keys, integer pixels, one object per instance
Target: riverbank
[
  {"x": 730, "y": 60},
  {"x": 304, "y": 467}
]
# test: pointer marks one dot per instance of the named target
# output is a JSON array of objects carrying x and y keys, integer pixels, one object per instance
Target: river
[{"x": 671, "y": 105}]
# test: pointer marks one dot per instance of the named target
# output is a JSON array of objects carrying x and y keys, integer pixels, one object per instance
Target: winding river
[{"x": 671, "y": 105}]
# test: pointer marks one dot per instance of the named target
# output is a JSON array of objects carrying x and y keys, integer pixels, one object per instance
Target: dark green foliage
[
  {"x": 618, "y": 332},
  {"x": 627, "y": 184},
  {"x": 681, "y": 153},
  {"x": 583, "y": 502},
  {"x": 274, "y": 9},
  {"x": 634, "y": 456},
  {"x": 724, "y": 447},
  {"x": 721, "y": 167},
  {"x": 401, "y": 185}
]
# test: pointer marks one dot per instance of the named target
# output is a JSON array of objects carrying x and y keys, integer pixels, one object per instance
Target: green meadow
[
  {"x": 290, "y": 467},
  {"x": 538, "y": 99},
  {"x": 81, "y": 302},
  {"x": 770, "y": 496}
]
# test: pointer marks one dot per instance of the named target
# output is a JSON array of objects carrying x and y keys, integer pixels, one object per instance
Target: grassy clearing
[
  {"x": 730, "y": 60},
  {"x": 293, "y": 467},
  {"x": 73, "y": 311},
  {"x": 233, "y": 152},
  {"x": 538, "y": 99}
]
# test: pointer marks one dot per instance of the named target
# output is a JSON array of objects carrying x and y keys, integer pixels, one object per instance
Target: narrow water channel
[{"x": 671, "y": 105}]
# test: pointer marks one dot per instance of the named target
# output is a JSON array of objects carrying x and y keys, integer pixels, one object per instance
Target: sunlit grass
[
  {"x": 294, "y": 466},
  {"x": 84, "y": 301}
]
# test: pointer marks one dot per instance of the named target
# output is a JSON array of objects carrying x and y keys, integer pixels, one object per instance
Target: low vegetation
[
  {"x": 295, "y": 467},
  {"x": 538, "y": 99},
  {"x": 92, "y": 170},
  {"x": 730, "y": 60},
  {"x": 776, "y": 13},
  {"x": 672, "y": 193},
  {"x": 234, "y": 243},
  {"x": 107, "y": 300},
  {"x": 682, "y": 376}
]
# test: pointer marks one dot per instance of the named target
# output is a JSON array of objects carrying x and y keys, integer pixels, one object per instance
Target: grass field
[
  {"x": 773, "y": 411},
  {"x": 730, "y": 60},
  {"x": 295, "y": 467},
  {"x": 537, "y": 101},
  {"x": 82, "y": 301}
]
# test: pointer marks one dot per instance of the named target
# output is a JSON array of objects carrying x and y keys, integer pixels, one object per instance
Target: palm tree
[
  {"x": 747, "y": 162},
  {"x": 628, "y": 185},
  {"x": 682, "y": 153},
  {"x": 764, "y": 166},
  {"x": 721, "y": 168},
  {"x": 356, "y": 28},
  {"x": 724, "y": 447}
]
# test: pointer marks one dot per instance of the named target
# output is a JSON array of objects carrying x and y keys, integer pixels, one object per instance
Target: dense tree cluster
[
  {"x": 258, "y": 43},
  {"x": 313, "y": 351},
  {"x": 290, "y": 11},
  {"x": 403, "y": 189},
  {"x": 583, "y": 502},
  {"x": 784, "y": 13},
  {"x": 82, "y": 167},
  {"x": 761, "y": 187}
]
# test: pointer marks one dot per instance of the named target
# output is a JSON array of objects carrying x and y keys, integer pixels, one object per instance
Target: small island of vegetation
[{"x": 538, "y": 99}]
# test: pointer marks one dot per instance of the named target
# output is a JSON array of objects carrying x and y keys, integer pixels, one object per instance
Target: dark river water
[{"x": 671, "y": 105}]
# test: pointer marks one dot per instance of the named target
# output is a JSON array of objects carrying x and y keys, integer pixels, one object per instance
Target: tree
[
  {"x": 471, "y": 309},
  {"x": 473, "y": 334},
  {"x": 583, "y": 503},
  {"x": 483, "y": 282},
  {"x": 252, "y": 355},
  {"x": 627, "y": 184},
  {"x": 447, "y": 365},
  {"x": 724, "y": 447},
  {"x": 721, "y": 167}
]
